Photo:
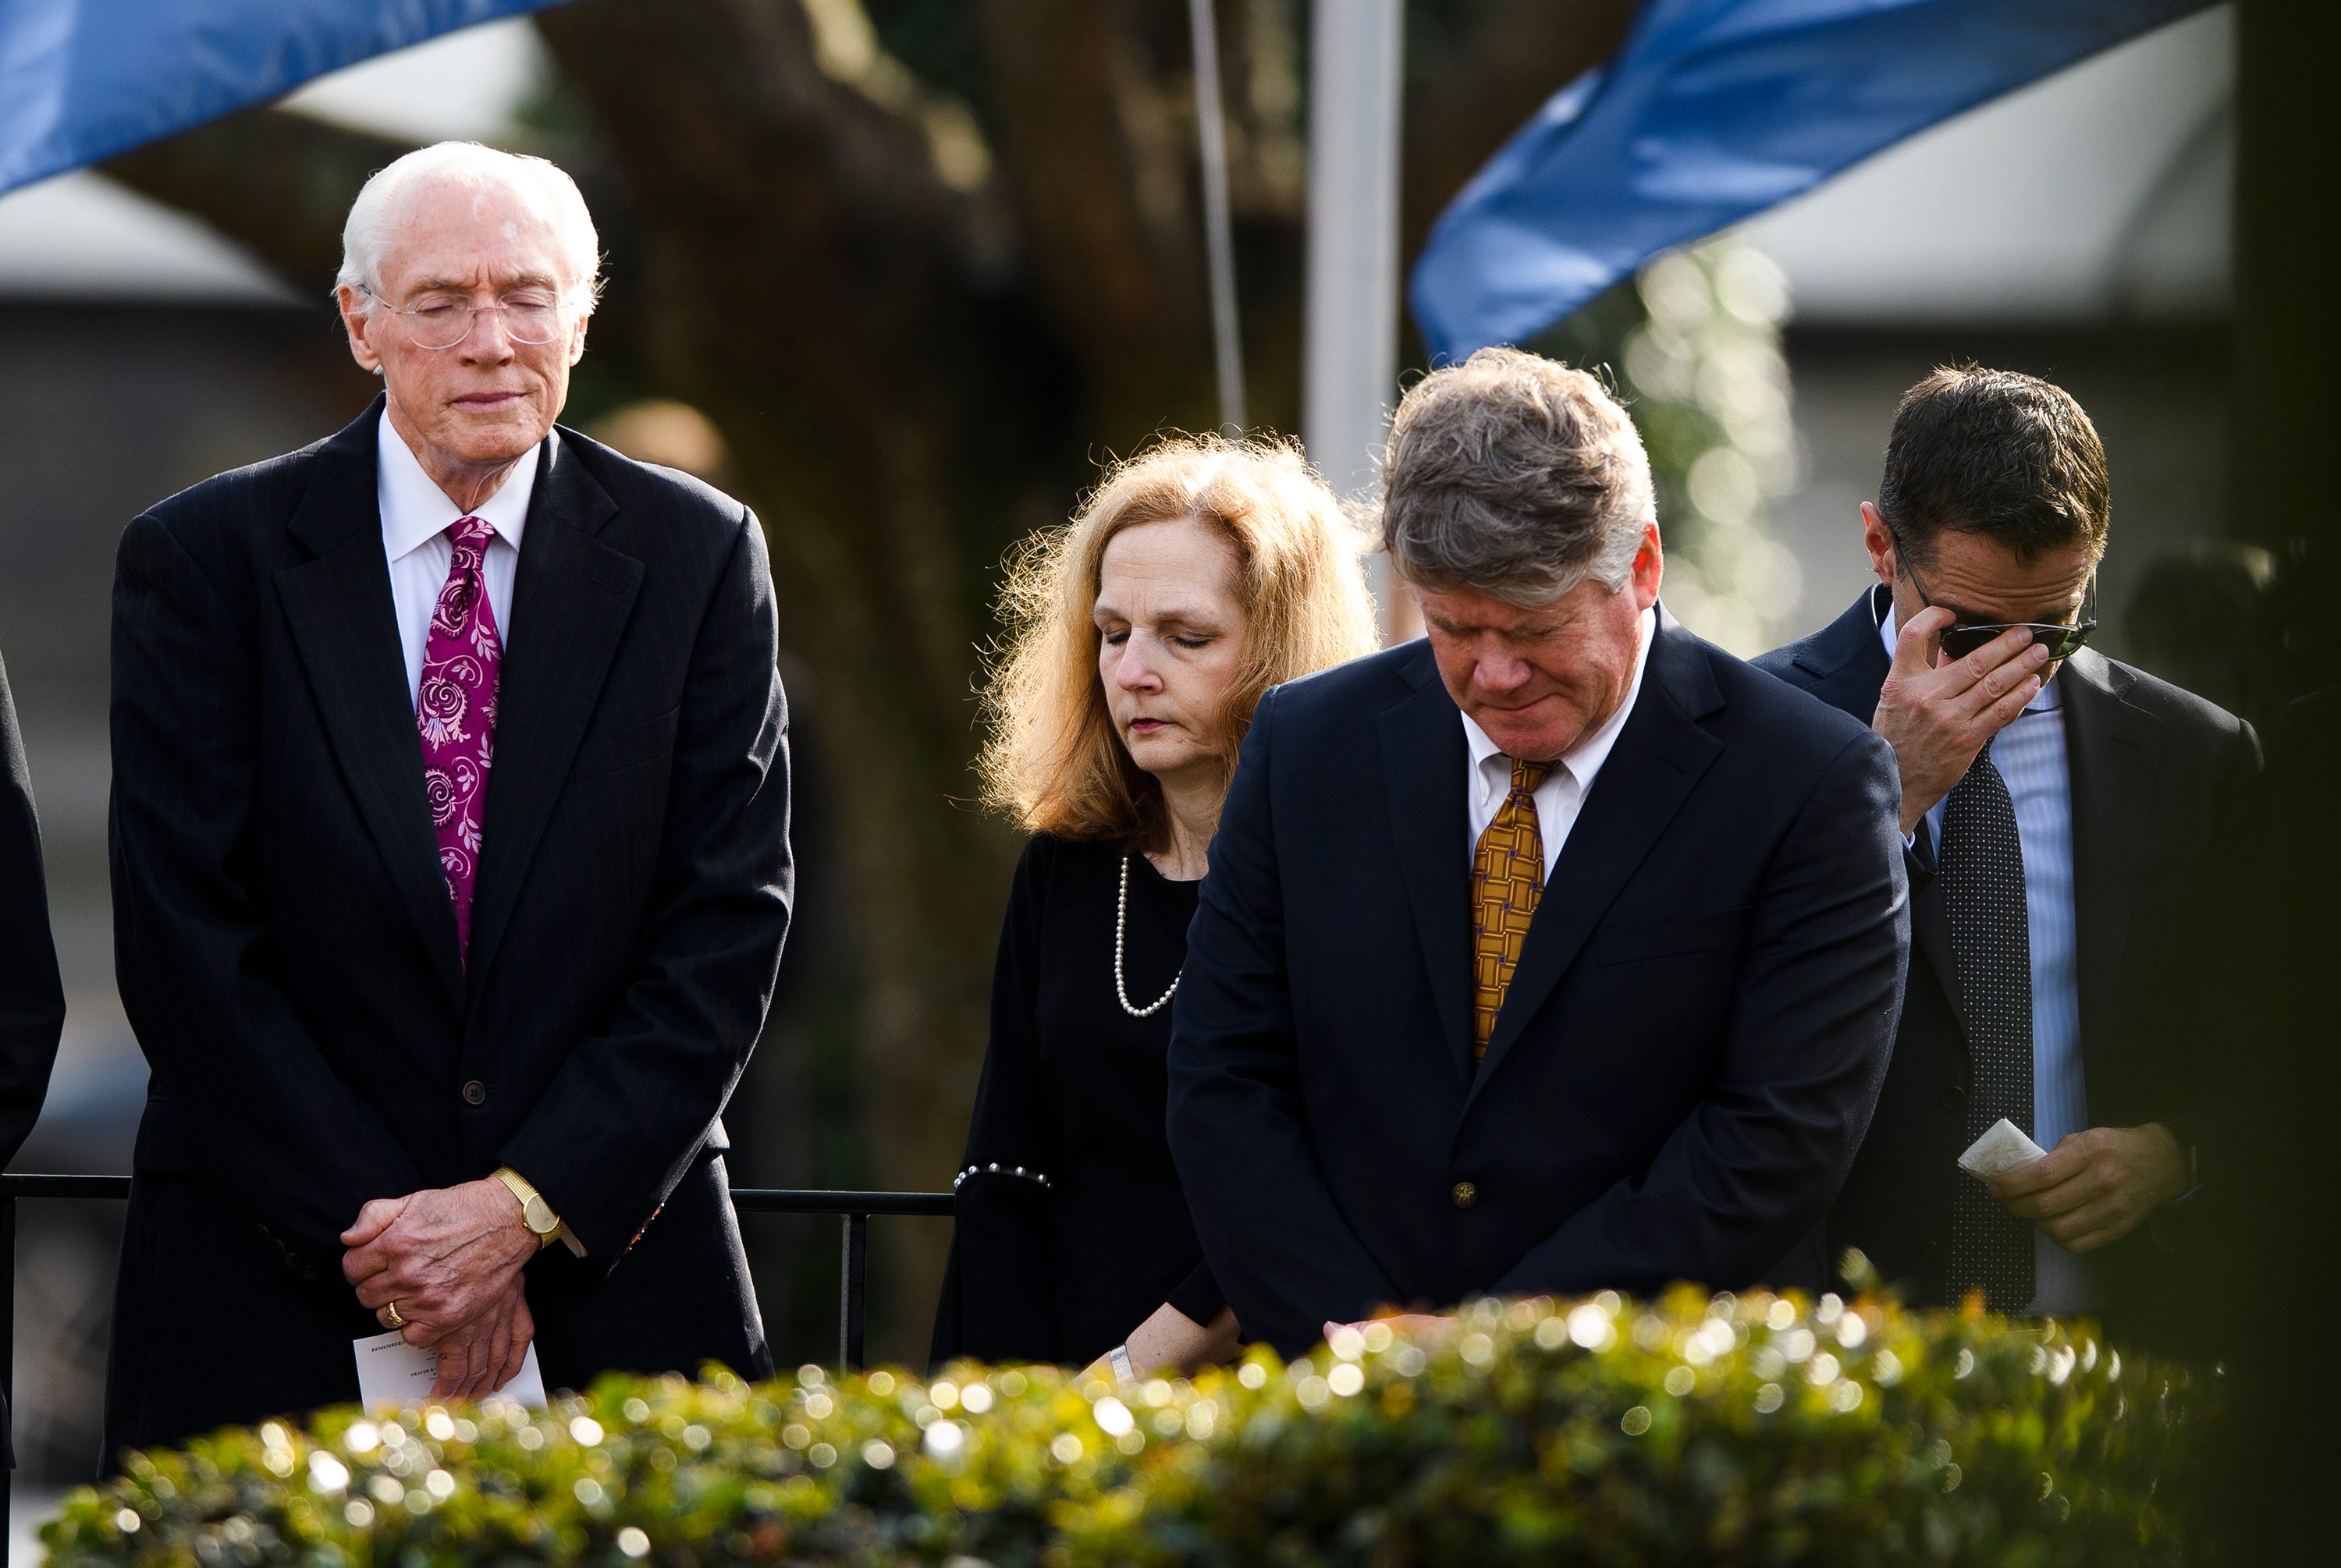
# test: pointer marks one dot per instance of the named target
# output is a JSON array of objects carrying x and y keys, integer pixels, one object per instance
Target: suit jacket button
[
  {"x": 1465, "y": 1195},
  {"x": 1954, "y": 1098},
  {"x": 475, "y": 1093}
]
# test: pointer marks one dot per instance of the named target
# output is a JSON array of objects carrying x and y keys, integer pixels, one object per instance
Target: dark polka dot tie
[{"x": 1982, "y": 867}]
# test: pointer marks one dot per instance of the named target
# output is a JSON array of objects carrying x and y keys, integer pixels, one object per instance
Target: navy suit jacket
[
  {"x": 2163, "y": 786},
  {"x": 1688, "y": 1053}
]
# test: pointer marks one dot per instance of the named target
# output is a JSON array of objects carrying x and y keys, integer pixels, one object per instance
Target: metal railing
[{"x": 852, "y": 1269}]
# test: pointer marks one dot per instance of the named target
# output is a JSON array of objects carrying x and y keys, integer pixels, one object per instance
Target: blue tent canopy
[
  {"x": 1714, "y": 110},
  {"x": 81, "y": 80}
]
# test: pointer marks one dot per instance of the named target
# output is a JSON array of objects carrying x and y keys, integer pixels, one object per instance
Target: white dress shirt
[
  {"x": 1562, "y": 794},
  {"x": 415, "y": 517},
  {"x": 2031, "y": 755}
]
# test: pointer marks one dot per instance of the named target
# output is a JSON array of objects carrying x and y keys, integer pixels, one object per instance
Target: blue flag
[
  {"x": 81, "y": 80},
  {"x": 1714, "y": 110}
]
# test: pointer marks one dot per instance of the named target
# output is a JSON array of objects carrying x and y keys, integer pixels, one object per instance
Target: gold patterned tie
[{"x": 1506, "y": 879}]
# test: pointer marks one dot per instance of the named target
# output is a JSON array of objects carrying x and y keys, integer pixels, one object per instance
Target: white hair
[{"x": 384, "y": 200}]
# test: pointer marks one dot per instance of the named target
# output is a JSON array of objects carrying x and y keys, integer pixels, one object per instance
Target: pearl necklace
[{"x": 1121, "y": 925}]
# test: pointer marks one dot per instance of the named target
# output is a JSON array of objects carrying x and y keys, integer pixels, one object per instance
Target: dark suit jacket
[
  {"x": 32, "y": 998},
  {"x": 2161, "y": 784},
  {"x": 2277, "y": 1186},
  {"x": 286, "y": 947},
  {"x": 1685, "y": 1058}
]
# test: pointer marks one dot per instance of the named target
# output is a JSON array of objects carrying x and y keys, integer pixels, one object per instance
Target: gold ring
[{"x": 395, "y": 1320}]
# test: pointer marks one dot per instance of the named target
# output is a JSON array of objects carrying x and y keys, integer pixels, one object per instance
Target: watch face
[{"x": 538, "y": 1215}]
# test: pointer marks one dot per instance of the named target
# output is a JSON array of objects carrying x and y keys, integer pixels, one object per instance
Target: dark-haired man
[{"x": 2064, "y": 817}]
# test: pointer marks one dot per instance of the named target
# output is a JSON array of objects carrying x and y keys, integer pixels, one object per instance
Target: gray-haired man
[{"x": 1558, "y": 952}]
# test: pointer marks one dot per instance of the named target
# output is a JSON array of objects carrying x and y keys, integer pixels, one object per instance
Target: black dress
[{"x": 1061, "y": 1263}]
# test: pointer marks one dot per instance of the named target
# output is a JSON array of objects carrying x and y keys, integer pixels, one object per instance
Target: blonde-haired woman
[{"x": 1141, "y": 637}]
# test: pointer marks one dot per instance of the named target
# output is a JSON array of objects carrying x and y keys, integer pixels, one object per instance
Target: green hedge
[{"x": 1754, "y": 1429}]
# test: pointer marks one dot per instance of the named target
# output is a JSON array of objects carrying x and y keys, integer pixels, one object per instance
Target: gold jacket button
[{"x": 1465, "y": 1195}]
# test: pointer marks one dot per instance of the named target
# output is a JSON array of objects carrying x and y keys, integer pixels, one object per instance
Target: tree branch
[
  {"x": 1465, "y": 99},
  {"x": 278, "y": 182},
  {"x": 1103, "y": 178}
]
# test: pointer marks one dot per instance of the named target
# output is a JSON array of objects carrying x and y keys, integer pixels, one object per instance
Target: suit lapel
[
  {"x": 339, "y": 610},
  {"x": 1930, "y": 926},
  {"x": 1847, "y": 659},
  {"x": 570, "y": 598},
  {"x": 2109, "y": 747},
  {"x": 1661, "y": 755},
  {"x": 1424, "y": 759}
]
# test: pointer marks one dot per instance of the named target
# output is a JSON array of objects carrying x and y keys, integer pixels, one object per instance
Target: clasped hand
[
  {"x": 1936, "y": 715},
  {"x": 450, "y": 1259}
]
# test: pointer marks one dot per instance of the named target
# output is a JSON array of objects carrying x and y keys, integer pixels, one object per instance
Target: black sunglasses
[{"x": 1964, "y": 638}]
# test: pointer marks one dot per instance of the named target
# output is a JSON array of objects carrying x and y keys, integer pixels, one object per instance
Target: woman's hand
[{"x": 1172, "y": 1343}]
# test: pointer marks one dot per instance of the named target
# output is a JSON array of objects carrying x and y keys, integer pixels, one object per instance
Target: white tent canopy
[{"x": 2100, "y": 194}]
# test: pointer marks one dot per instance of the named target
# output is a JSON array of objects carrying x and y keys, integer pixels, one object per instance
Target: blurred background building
[{"x": 2077, "y": 229}]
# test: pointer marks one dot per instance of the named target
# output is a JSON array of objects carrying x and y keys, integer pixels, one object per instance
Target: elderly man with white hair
[
  {"x": 450, "y": 853},
  {"x": 1556, "y": 952}
]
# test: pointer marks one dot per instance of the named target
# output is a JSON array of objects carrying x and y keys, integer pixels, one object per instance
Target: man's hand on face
[
  {"x": 1936, "y": 717},
  {"x": 2096, "y": 1186},
  {"x": 446, "y": 1256},
  {"x": 485, "y": 1353}
]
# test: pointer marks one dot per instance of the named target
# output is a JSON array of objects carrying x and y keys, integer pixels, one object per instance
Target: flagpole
[
  {"x": 1219, "y": 230},
  {"x": 1349, "y": 344}
]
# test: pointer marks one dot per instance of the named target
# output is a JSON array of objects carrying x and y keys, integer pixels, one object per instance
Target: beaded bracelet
[{"x": 995, "y": 1170}]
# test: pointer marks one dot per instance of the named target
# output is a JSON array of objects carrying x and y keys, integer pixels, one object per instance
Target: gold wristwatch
[{"x": 534, "y": 1212}]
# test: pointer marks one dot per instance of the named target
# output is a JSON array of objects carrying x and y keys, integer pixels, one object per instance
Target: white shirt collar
[
  {"x": 415, "y": 511},
  {"x": 1584, "y": 759},
  {"x": 2044, "y": 700}
]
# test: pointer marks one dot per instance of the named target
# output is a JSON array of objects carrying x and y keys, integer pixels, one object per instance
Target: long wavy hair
[{"x": 1052, "y": 761}]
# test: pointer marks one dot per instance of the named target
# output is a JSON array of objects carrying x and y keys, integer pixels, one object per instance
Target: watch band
[{"x": 533, "y": 1204}]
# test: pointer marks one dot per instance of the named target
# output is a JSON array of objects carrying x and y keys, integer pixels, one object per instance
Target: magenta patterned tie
[{"x": 455, "y": 713}]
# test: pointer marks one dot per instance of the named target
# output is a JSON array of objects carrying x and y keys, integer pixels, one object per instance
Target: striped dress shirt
[{"x": 2031, "y": 755}]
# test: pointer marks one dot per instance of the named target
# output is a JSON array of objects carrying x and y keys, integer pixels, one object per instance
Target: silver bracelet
[{"x": 1119, "y": 1356}]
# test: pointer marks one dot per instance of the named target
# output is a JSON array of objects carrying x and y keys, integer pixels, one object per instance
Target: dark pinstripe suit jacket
[{"x": 287, "y": 952}]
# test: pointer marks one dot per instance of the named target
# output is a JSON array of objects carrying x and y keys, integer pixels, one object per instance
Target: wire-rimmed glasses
[{"x": 441, "y": 321}]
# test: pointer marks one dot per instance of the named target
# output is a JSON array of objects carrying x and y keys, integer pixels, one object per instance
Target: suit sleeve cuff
[{"x": 1919, "y": 850}]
